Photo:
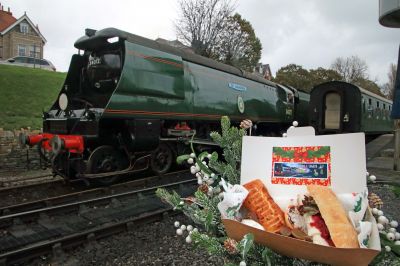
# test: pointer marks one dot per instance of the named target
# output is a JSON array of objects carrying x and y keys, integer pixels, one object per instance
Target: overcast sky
[{"x": 311, "y": 33}]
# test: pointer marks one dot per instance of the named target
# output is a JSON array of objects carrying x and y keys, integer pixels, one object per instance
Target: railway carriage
[
  {"x": 127, "y": 97},
  {"x": 341, "y": 107}
]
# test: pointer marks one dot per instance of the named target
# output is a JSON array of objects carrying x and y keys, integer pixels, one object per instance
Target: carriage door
[{"x": 332, "y": 110}]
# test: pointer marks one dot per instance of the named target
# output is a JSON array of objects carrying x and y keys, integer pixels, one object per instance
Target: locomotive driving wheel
[
  {"x": 162, "y": 159},
  {"x": 105, "y": 159}
]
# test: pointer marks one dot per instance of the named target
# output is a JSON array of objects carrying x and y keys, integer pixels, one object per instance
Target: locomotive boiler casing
[{"x": 158, "y": 84}]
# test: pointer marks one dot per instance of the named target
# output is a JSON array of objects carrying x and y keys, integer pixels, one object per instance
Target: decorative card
[
  {"x": 306, "y": 165},
  {"x": 287, "y": 165}
]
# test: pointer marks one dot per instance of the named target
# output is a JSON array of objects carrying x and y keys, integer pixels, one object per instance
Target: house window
[
  {"x": 21, "y": 50},
  {"x": 34, "y": 51},
  {"x": 24, "y": 27}
]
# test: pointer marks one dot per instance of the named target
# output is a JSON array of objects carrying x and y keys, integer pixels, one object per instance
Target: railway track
[
  {"x": 26, "y": 234},
  {"x": 95, "y": 192}
]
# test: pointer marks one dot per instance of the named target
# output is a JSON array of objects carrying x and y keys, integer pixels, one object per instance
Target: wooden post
[{"x": 396, "y": 156}]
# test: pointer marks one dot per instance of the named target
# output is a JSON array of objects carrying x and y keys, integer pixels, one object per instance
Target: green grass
[{"x": 25, "y": 93}]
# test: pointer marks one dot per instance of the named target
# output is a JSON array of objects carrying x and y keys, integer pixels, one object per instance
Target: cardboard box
[
  {"x": 342, "y": 167},
  {"x": 297, "y": 248}
]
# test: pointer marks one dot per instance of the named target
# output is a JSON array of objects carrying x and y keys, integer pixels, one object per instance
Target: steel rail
[
  {"x": 77, "y": 203},
  {"x": 26, "y": 253},
  {"x": 46, "y": 202}
]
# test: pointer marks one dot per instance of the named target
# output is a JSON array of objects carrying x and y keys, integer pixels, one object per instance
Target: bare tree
[
  {"x": 351, "y": 68},
  {"x": 201, "y": 21},
  {"x": 388, "y": 88}
]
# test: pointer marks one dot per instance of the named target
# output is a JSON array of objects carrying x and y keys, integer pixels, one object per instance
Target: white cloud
[{"x": 309, "y": 33}]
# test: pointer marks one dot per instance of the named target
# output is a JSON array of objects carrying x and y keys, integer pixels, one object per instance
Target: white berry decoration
[
  {"x": 380, "y": 227},
  {"x": 209, "y": 156},
  {"x": 397, "y": 243},
  {"x": 284, "y": 135},
  {"x": 397, "y": 235},
  {"x": 394, "y": 224},
  {"x": 392, "y": 230},
  {"x": 372, "y": 178},
  {"x": 176, "y": 224},
  {"x": 183, "y": 227},
  {"x": 295, "y": 123},
  {"x": 375, "y": 211},
  {"x": 195, "y": 230},
  {"x": 189, "y": 228},
  {"x": 193, "y": 170},
  {"x": 382, "y": 219},
  {"x": 190, "y": 160},
  {"x": 380, "y": 213},
  {"x": 367, "y": 173},
  {"x": 390, "y": 236},
  {"x": 188, "y": 239},
  {"x": 387, "y": 248},
  {"x": 179, "y": 232},
  {"x": 192, "y": 155},
  {"x": 242, "y": 263}
]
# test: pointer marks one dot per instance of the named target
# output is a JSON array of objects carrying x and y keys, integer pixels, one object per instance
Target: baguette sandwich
[{"x": 322, "y": 217}]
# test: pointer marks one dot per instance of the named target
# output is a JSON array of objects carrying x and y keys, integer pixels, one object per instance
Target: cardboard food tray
[
  {"x": 347, "y": 159},
  {"x": 297, "y": 248}
]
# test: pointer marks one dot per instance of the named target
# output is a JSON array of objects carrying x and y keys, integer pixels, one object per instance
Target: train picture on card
[{"x": 306, "y": 165}]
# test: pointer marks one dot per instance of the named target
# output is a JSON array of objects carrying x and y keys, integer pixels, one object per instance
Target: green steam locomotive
[{"x": 129, "y": 101}]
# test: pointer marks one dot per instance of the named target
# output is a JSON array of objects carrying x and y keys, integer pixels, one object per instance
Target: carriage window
[
  {"x": 384, "y": 106},
  {"x": 369, "y": 101},
  {"x": 389, "y": 107},
  {"x": 377, "y": 104}
]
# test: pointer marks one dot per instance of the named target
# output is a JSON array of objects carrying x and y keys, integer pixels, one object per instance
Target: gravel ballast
[
  {"x": 151, "y": 244},
  {"x": 158, "y": 244}
]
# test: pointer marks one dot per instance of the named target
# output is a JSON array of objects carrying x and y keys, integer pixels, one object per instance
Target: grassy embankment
[{"x": 25, "y": 93}]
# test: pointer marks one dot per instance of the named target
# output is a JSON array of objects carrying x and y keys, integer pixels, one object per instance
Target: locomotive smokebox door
[{"x": 145, "y": 133}]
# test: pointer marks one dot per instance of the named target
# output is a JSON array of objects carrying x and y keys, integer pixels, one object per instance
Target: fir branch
[{"x": 210, "y": 243}]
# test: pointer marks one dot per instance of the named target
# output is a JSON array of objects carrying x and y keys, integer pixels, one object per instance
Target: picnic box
[{"x": 343, "y": 170}]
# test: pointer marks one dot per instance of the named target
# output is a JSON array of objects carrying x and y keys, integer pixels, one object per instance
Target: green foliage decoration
[
  {"x": 202, "y": 207},
  {"x": 282, "y": 153}
]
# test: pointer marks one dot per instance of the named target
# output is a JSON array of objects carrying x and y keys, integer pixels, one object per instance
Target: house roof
[
  {"x": 6, "y": 19},
  {"x": 24, "y": 17}
]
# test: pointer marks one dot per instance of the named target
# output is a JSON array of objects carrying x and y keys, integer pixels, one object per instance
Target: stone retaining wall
[{"x": 12, "y": 157}]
